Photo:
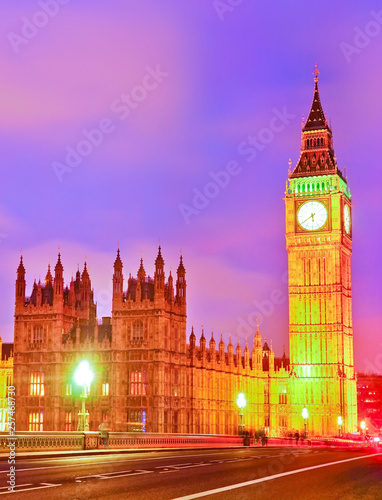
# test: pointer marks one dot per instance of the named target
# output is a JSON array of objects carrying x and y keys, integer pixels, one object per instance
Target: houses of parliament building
[{"x": 151, "y": 374}]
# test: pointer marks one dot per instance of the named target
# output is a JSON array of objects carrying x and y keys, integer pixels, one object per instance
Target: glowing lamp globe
[
  {"x": 83, "y": 375},
  {"x": 241, "y": 402}
]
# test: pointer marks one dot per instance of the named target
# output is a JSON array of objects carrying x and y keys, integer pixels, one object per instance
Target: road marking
[
  {"x": 175, "y": 465},
  {"x": 17, "y": 486},
  {"x": 44, "y": 485},
  {"x": 139, "y": 473},
  {"x": 269, "y": 478},
  {"x": 104, "y": 474},
  {"x": 94, "y": 463}
]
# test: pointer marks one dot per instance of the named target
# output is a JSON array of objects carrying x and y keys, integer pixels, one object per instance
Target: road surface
[{"x": 226, "y": 474}]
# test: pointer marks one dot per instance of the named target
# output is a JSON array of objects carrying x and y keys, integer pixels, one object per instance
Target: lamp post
[
  {"x": 339, "y": 422},
  {"x": 363, "y": 427},
  {"x": 305, "y": 416},
  {"x": 83, "y": 377},
  {"x": 241, "y": 403}
]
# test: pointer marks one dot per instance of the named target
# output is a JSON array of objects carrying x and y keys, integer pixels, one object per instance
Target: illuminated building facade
[{"x": 148, "y": 377}]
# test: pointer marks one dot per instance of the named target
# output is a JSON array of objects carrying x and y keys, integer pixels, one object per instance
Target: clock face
[
  {"x": 312, "y": 215},
  {"x": 347, "y": 219}
]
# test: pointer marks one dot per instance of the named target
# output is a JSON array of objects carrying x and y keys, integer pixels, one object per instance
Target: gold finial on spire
[
  {"x": 316, "y": 73},
  {"x": 290, "y": 166}
]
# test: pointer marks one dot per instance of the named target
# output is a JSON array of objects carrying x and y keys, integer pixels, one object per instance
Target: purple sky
[{"x": 222, "y": 73}]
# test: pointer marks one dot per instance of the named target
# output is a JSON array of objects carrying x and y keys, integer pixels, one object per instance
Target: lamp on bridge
[
  {"x": 339, "y": 422},
  {"x": 241, "y": 403},
  {"x": 83, "y": 377},
  {"x": 363, "y": 427},
  {"x": 305, "y": 416}
]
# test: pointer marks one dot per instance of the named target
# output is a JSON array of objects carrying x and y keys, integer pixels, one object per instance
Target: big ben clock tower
[{"x": 319, "y": 244}]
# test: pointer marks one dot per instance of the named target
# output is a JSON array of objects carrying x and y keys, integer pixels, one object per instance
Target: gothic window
[
  {"x": 68, "y": 391},
  {"x": 105, "y": 387},
  {"x": 137, "y": 383},
  {"x": 176, "y": 339},
  {"x": 38, "y": 334},
  {"x": 176, "y": 382},
  {"x": 166, "y": 382},
  {"x": 166, "y": 337},
  {"x": 36, "y": 421},
  {"x": 283, "y": 421},
  {"x": 36, "y": 387},
  {"x": 282, "y": 399},
  {"x": 138, "y": 331}
]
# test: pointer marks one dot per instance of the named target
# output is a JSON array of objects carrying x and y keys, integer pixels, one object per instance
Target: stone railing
[
  {"x": 71, "y": 441},
  {"x": 61, "y": 441}
]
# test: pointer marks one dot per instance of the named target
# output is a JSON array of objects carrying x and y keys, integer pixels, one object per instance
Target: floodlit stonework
[{"x": 150, "y": 375}]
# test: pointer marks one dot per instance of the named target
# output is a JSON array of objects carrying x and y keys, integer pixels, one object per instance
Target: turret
[
  {"x": 239, "y": 362},
  {"x": 271, "y": 360},
  {"x": 230, "y": 352},
  {"x": 20, "y": 284},
  {"x": 59, "y": 278},
  {"x": 212, "y": 347},
  {"x": 141, "y": 276},
  {"x": 86, "y": 286},
  {"x": 181, "y": 283},
  {"x": 221, "y": 350},
  {"x": 170, "y": 290},
  {"x": 257, "y": 353},
  {"x": 203, "y": 343},
  {"x": 159, "y": 274},
  {"x": 192, "y": 340},
  {"x": 118, "y": 281},
  {"x": 48, "y": 277}
]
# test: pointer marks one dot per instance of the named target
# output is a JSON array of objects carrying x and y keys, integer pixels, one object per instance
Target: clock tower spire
[{"x": 319, "y": 244}]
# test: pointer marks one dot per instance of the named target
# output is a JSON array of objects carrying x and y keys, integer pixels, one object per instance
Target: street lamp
[
  {"x": 363, "y": 427},
  {"x": 339, "y": 422},
  {"x": 83, "y": 377},
  {"x": 305, "y": 416},
  {"x": 241, "y": 403}
]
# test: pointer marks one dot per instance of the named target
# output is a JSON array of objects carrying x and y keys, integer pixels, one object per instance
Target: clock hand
[{"x": 310, "y": 216}]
